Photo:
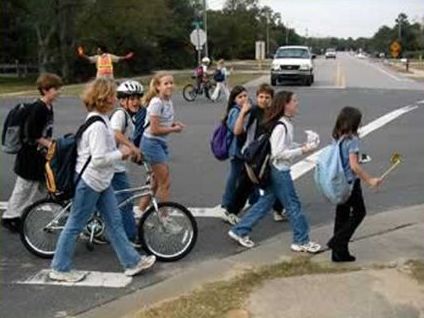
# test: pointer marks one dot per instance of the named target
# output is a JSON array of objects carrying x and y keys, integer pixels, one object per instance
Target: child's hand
[
  {"x": 126, "y": 152},
  {"x": 375, "y": 182},
  {"x": 245, "y": 107}
]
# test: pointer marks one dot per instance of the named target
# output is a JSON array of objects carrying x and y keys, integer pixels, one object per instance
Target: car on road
[
  {"x": 330, "y": 53},
  {"x": 293, "y": 63}
]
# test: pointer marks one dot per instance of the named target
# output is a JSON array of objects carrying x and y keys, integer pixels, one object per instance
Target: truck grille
[{"x": 289, "y": 67}]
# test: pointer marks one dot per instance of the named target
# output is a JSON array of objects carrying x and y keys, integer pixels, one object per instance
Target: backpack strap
[
  {"x": 125, "y": 113},
  {"x": 78, "y": 136}
]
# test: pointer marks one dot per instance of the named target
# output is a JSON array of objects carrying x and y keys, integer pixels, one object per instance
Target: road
[{"x": 198, "y": 179}]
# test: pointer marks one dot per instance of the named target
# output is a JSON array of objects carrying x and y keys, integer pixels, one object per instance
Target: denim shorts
[{"x": 154, "y": 150}]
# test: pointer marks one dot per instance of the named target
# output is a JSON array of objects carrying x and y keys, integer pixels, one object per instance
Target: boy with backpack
[
  {"x": 37, "y": 130},
  {"x": 220, "y": 76},
  {"x": 249, "y": 122}
]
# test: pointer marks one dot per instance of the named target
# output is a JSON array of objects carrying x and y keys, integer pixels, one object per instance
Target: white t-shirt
[
  {"x": 98, "y": 141},
  {"x": 121, "y": 121},
  {"x": 162, "y": 108}
]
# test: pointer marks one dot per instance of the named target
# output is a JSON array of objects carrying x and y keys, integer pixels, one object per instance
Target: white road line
[
  {"x": 302, "y": 167},
  {"x": 93, "y": 279}
]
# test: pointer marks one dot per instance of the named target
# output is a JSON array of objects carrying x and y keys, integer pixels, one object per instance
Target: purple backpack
[{"x": 221, "y": 141}]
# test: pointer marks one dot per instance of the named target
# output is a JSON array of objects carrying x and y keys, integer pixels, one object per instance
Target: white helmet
[
  {"x": 206, "y": 60},
  {"x": 130, "y": 88}
]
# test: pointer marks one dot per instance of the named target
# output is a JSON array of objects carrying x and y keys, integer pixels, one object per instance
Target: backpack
[
  {"x": 61, "y": 161},
  {"x": 219, "y": 76},
  {"x": 198, "y": 71},
  {"x": 139, "y": 126},
  {"x": 13, "y": 134},
  {"x": 257, "y": 158},
  {"x": 330, "y": 177},
  {"x": 221, "y": 141}
]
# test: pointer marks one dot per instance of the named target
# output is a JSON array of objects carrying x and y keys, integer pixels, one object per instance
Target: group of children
[
  {"x": 274, "y": 115},
  {"x": 106, "y": 142},
  {"x": 109, "y": 141}
]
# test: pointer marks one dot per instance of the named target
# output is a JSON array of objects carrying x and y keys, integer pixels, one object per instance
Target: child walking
[
  {"x": 121, "y": 121},
  {"x": 278, "y": 118},
  {"x": 350, "y": 214},
  {"x": 237, "y": 101},
  {"x": 160, "y": 122},
  {"x": 94, "y": 190}
]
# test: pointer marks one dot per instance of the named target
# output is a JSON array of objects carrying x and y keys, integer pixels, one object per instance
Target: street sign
[
  {"x": 198, "y": 38},
  {"x": 395, "y": 49},
  {"x": 259, "y": 50}
]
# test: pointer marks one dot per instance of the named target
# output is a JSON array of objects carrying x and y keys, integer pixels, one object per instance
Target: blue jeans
[
  {"x": 85, "y": 202},
  {"x": 120, "y": 181},
  {"x": 281, "y": 187},
  {"x": 236, "y": 166}
]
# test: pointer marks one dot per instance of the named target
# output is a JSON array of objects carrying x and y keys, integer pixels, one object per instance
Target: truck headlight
[
  {"x": 305, "y": 67},
  {"x": 275, "y": 67}
]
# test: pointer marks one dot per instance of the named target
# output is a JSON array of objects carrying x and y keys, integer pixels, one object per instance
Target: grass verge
[
  {"x": 417, "y": 270},
  {"x": 217, "y": 299},
  {"x": 15, "y": 85}
]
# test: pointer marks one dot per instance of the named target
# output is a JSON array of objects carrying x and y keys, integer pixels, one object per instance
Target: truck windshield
[{"x": 292, "y": 54}]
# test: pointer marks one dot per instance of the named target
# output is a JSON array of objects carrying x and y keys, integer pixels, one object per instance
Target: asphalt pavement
[{"x": 198, "y": 179}]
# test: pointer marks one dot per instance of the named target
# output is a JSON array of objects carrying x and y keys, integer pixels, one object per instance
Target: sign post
[{"x": 260, "y": 52}]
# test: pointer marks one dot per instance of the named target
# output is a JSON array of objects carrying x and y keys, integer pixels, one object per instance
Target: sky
[{"x": 339, "y": 18}]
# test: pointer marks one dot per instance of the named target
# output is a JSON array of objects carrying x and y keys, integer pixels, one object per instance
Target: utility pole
[
  {"x": 399, "y": 21},
  {"x": 205, "y": 23},
  {"x": 267, "y": 35},
  {"x": 287, "y": 33}
]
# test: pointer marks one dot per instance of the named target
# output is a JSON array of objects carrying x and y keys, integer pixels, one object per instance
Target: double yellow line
[{"x": 340, "y": 80}]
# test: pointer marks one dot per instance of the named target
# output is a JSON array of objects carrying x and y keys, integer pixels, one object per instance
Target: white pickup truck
[{"x": 293, "y": 63}]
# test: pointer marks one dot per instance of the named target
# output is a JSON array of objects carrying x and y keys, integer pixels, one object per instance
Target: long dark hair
[
  {"x": 347, "y": 122},
  {"x": 277, "y": 108},
  {"x": 238, "y": 89}
]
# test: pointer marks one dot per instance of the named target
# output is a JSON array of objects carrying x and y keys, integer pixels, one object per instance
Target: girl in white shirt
[
  {"x": 278, "y": 118},
  {"x": 94, "y": 191}
]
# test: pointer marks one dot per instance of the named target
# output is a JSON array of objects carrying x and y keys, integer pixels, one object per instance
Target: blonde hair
[
  {"x": 154, "y": 83},
  {"x": 220, "y": 62},
  {"x": 97, "y": 93}
]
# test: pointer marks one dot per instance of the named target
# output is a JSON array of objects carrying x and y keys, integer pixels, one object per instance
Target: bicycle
[
  {"x": 190, "y": 91},
  {"x": 167, "y": 230}
]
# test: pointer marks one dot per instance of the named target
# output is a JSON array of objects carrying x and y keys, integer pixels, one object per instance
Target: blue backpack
[
  {"x": 330, "y": 177},
  {"x": 61, "y": 161}
]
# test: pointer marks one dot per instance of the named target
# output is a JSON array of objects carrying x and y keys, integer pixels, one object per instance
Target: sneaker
[
  {"x": 68, "y": 277},
  {"x": 310, "y": 247},
  {"x": 231, "y": 218},
  {"x": 144, "y": 263},
  {"x": 242, "y": 240},
  {"x": 279, "y": 216},
  {"x": 13, "y": 224}
]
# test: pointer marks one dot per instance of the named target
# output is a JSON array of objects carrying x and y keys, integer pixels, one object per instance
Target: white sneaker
[
  {"x": 310, "y": 247},
  {"x": 69, "y": 277},
  {"x": 231, "y": 218},
  {"x": 242, "y": 240},
  {"x": 144, "y": 263},
  {"x": 279, "y": 216}
]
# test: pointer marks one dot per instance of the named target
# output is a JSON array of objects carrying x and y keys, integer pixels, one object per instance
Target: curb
[{"x": 394, "y": 221}]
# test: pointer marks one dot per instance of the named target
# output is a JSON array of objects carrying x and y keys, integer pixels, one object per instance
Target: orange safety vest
[{"x": 104, "y": 65}]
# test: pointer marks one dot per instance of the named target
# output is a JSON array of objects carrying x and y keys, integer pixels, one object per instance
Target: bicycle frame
[{"x": 139, "y": 192}]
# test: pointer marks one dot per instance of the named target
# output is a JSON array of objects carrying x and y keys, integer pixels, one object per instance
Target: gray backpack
[{"x": 13, "y": 134}]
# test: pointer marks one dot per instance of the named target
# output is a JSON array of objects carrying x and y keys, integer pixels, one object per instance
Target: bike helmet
[
  {"x": 206, "y": 60},
  {"x": 130, "y": 88}
]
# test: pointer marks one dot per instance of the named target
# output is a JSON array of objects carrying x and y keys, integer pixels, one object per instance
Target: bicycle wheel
[
  {"x": 189, "y": 92},
  {"x": 169, "y": 234},
  {"x": 42, "y": 223}
]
